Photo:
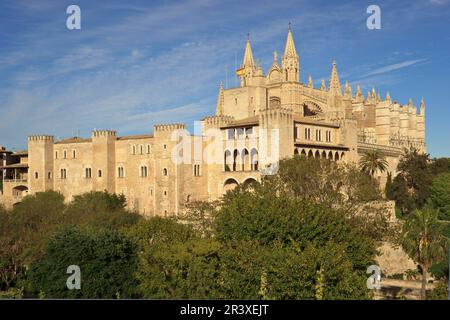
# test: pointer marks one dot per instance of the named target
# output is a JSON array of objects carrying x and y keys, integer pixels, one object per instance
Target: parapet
[
  {"x": 217, "y": 121},
  {"x": 103, "y": 133},
  {"x": 169, "y": 127},
  {"x": 41, "y": 137}
]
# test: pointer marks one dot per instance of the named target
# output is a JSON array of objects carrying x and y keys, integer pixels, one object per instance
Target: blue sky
[{"x": 138, "y": 63}]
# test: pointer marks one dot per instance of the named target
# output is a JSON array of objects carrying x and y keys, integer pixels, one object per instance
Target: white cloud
[{"x": 394, "y": 67}]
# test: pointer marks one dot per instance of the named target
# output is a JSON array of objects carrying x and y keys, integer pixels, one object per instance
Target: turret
[
  {"x": 347, "y": 91},
  {"x": 290, "y": 61},
  {"x": 358, "y": 96},
  {"x": 323, "y": 86},
  {"x": 421, "y": 122},
  {"x": 103, "y": 156},
  {"x": 335, "y": 94},
  {"x": 220, "y": 101},
  {"x": 248, "y": 68},
  {"x": 310, "y": 82},
  {"x": 40, "y": 162}
]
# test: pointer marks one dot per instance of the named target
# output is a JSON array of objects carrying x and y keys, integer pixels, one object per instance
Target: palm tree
[
  {"x": 422, "y": 239},
  {"x": 373, "y": 161}
]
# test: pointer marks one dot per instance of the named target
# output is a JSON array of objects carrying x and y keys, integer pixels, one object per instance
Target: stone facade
[{"x": 268, "y": 117}]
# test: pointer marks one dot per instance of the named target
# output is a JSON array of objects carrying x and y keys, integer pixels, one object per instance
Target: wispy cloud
[{"x": 394, "y": 67}]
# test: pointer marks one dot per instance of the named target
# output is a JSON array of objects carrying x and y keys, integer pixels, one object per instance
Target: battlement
[
  {"x": 169, "y": 127},
  {"x": 41, "y": 138},
  {"x": 103, "y": 133},
  {"x": 217, "y": 121}
]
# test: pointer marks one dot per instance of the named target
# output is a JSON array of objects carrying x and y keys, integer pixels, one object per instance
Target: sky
[{"x": 138, "y": 63}]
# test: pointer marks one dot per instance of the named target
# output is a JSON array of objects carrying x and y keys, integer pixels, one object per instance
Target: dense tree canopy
[
  {"x": 106, "y": 259},
  {"x": 309, "y": 232}
]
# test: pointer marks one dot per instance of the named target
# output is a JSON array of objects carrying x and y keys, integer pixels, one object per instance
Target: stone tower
[
  {"x": 103, "y": 162},
  {"x": 40, "y": 163}
]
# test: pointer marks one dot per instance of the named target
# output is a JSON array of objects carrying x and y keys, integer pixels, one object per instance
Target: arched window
[
  {"x": 141, "y": 149},
  {"x": 120, "y": 172},
  {"x": 133, "y": 150},
  {"x": 236, "y": 159},
  {"x": 88, "y": 173},
  {"x": 149, "y": 149},
  {"x": 99, "y": 173},
  {"x": 254, "y": 159},
  {"x": 228, "y": 162},
  {"x": 56, "y": 154},
  {"x": 65, "y": 154},
  {"x": 36, "y": 175},
  {"x": 165, "y": 172},
  {"x": 49, "y": 175},
  {"x": 74, "y": 154},
  {"x": 143, "y": 171}
]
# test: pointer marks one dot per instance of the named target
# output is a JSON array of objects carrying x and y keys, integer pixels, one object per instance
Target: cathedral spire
[
  {"x": 310, "y": 82},
  {"x": 422, "y": 106},
  {"x": 290, "y": 61},
  {"x": 348, "y": 91},
  {"x": 248, "y": 55},
  {"x": 323, "y": 86},
  {"x": 289, "y": 49},
  {"x": 388, "y": 97},
  {"x": 220, "y": 101},
  {"x": 335, "y": 85}
]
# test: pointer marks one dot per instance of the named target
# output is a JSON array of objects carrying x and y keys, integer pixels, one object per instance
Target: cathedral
[{"x": 270, "y": 116}]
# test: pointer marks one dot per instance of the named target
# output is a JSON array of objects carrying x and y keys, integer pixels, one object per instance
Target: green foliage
[
  {"x": 107, "y": 261},
  {"x": 12, "y": 293},
  {"x": 423, "y": 241},
  {"x": 158, "y": 230},
  {"x": 441, "y": 165},
  {"x": 413, "y": 184},
  {"x": 264, "y": 217},
  {"x": 338, "y": 187},
  {"x": 440, "y": 292},
  {"x": 180, "y": 270},
  {"x": 33, "y": 221},
  {"x": 95, "y": 210},
  {"x": 399, "y": 192},
  {"x": 440, "y": 195},
  {"x": 373, "y": 161}
]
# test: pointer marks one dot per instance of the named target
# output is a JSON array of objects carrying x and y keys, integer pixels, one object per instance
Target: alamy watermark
[
  {"x": 73, "y": 21},
  {"x": 374, "y": 20},
  {"x": 74, "y": 280},
  {"x": 374, "y": 280}
]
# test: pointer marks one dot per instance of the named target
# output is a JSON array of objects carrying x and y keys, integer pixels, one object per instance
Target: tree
[
  {"x": 440, "y": 195},
  {"x": 11, "y": 264},
  {"x": 33, "y": 221},
  {"x": 270, "y": 218},
  {"x": 414, "y": 169},
  {"x": 422, "y": 239},
  {"x": 107, "y": 261},
  {"x": 340, "y": 187},
  {"x": 373, "y": 161},
  {"x": 440, "y": 165},
  {"x": 400, "y": 193},
  {"x": 95, "y": 210}
]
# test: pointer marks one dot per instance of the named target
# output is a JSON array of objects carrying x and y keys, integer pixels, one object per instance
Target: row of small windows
[
  {"x": 134, "y": 150},
  {"x": 65, "y": 154},
  {"x": 196, "y": 170},
  {"x": 240, "y": 133},
  {"x": 120, "y": 172},
  {"x": 140, "y": 149},
  {"x": 88, "y": 173},
  {"x": 318, "y": 135}
]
